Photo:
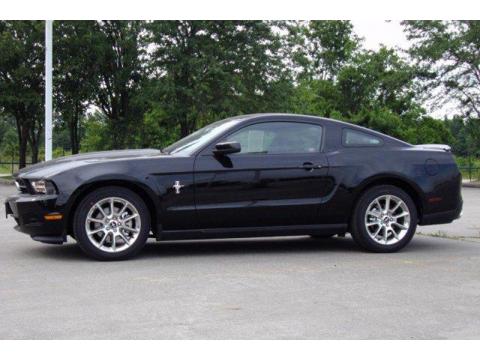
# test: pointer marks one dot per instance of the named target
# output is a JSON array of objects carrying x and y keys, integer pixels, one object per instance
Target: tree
[
  {"x": 317, "y": 97},
  {"x": 322, "y": 47},
  {"x": 208, "y": 69},
  {"x": 466, "y": 136},
  {"x": 96, "y": 133},
  {"x": 74, "y": 63},
  {"x": 21, "y": 81},
  {"x": 449, "y": 54},
  {"x": 377, "y": 78},
  {"x": 118, "y": 75}
]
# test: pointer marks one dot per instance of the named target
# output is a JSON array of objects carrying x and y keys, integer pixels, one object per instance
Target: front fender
[{"x": 74, "y": 184}]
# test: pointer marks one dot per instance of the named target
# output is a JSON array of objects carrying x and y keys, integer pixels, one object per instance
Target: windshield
[{"x": 195, "y": 141}]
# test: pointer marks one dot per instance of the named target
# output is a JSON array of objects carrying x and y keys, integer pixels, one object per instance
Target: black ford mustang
[{"x": 252, "y": 175}]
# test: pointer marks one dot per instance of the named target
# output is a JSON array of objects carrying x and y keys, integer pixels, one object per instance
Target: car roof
[{"x": 335, "y": 122}]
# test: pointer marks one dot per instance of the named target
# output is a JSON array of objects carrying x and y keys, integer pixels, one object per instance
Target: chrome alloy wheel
[
  {"x": 387, "y": 219},
  {"x": 113, "y": 224}
]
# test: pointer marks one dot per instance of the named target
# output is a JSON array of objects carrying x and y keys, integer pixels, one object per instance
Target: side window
[
  {"x": 358, "y": 138},
  {"x": 279, "y": 138}
]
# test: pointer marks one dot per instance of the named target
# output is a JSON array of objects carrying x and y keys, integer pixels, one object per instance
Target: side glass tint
[
  {"x": 279, "y": 138},
  {"x": 358, "y": 138}
]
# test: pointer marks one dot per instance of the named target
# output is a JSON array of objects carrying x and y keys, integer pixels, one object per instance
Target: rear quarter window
[{"x": 359, "y": 138}]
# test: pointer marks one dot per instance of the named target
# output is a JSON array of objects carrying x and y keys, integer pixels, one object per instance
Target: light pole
[{"x": 48, "y": 89}]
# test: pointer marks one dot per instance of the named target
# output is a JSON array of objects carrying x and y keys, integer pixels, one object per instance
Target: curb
[
  {"x": 6, "y": 182},
  {"x": 471, "y": 185}
]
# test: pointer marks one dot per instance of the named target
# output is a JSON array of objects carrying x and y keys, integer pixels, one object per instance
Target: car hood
[{"x": 52, "y": 167}]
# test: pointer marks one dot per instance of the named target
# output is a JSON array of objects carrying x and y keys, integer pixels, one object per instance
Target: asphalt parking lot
[{"x": 276, "y": 288}]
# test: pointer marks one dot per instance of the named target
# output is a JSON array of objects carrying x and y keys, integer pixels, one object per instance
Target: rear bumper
[
  {"x": 444, "y": 217},
  {"x": 29, "y": 211}
]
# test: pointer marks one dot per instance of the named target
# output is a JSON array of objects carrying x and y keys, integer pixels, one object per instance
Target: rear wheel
[
  {"x": 384, "y": 220},
  {"x": 111, "y": 223}
]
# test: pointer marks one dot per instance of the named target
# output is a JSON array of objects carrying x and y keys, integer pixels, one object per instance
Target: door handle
[{"x": 310, "y": 166}]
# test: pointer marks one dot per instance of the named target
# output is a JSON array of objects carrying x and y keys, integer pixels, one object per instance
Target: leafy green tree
[
  {"x": 8, "y": 138},
  {"x": 96, "y": 133},
  {"x": 118, "y": 74},
  {"x": 317, "y": 97},
  {"x": 448, "y": 52},
  {"x": 21, "y": 81},
  {"x": 460, "y": 139},
  {"x": 323, "y": 47},
  {"x": 74, "y": 75},
  {"x": 149, "y": 83},
  {"x": 209, "y": 69},
  {"x": 375, "y": 89},
  {"x": 429, "y": 130},
  {"x": 377, "y": 78},
  {"x": 466, "y": 136},
  {"x": 156, "y": 132}
]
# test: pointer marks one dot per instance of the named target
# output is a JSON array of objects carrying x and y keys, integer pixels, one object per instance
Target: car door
[{"x": 278, "y": 178}]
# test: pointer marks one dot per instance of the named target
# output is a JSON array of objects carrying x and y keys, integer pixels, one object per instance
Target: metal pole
[{"x": 48, "y": 90}]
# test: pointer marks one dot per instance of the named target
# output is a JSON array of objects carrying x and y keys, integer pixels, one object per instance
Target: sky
[
  {"x": 377, "y": 32},
  {"x": 390, "y": 33}
]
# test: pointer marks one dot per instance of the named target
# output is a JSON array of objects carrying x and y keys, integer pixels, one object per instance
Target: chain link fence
[
  {"x": 470, "y": 173},
  {"x": 8, "y": 167}
]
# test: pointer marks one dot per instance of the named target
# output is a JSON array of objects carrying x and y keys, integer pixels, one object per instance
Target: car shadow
[
  {"x": 226, "y": 247},
  {"x": 248, "y": 246}
]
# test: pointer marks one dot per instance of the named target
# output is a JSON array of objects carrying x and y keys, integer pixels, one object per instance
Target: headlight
[{"x": 43, "y": 187}]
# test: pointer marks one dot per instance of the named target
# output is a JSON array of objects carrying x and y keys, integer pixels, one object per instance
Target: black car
[{"x": 246, "y": 176}]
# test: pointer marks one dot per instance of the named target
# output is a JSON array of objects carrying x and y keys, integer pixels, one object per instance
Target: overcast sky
[
  {"x": 377, "y": 32},
  {"x": 390, "y": 34}
]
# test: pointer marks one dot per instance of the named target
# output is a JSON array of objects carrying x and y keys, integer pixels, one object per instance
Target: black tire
[
  {"x": 358, "y": 227},
  {"x": 90, "y": 200}
]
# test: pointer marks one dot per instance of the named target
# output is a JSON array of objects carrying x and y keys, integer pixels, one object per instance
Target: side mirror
[{"x": 227, "y": 148}]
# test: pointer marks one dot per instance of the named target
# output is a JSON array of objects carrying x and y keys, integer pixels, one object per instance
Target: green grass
[
  {"x": 469, "y": 167},
  {"x": 6, "y": 169}
]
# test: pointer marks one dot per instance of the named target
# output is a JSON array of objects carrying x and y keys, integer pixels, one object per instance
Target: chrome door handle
[{"x": 310, "y": 166}]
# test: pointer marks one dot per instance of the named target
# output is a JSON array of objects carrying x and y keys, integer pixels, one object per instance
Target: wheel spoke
[
  {"x": 123, "y": 208},
  {"x": 395, "y": 235},
  {"x": 401, "y": 215},
  {"x": 100, "y": 244},
  {"x": 130, "y": 217},
  {"x": 396, "y": 206},
  {"x": 128, "y": 228},
  {"x": 385, "y": 235},
  {"x": 112, "y": 207},
  {"x": 124, "y": 238},
  {"x": 95, "y": 220},
  {"x": 96, "y": 231},
  {"x": 387, "y": 202},
  {"x": 401, "y": 226},
  {"x": 101, "y": 210}
]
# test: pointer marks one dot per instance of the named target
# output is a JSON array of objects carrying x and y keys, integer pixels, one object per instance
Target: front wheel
[
  {"x": 111, "y": 223},
  {"x": 384, "y": 219}
]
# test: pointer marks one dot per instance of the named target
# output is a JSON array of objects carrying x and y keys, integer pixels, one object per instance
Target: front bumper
[{"x": 29, "y": 211}]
